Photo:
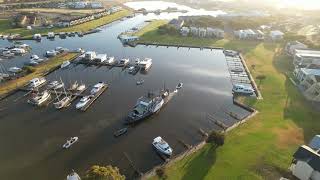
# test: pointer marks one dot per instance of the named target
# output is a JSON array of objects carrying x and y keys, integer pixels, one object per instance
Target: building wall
[
  {"x": 302, "y": 170},
  {"x": 315, "y": 175}
]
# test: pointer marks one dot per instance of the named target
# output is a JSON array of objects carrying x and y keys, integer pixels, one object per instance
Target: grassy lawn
[
  {"x": 60, "y": 11},
  {"x": 39, "y": 71},
  {"x": 5, "y": 27},
  {"x": 150, "y": 27},
  {"x": 263, "y": 147}
]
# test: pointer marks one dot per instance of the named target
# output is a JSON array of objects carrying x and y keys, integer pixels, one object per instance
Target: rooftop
[
  {"x": 307, "y": 71},
  {"x": 308, "y": 155}
]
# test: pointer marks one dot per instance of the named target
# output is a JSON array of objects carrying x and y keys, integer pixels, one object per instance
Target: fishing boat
[
  {"x": 65, "y": 64},
  {"x": 62, "y": 103},
  {"x": 83, "y": 101},
  {"x": 120, "y": 132},
  {"x": 242, "y": 89},
  {"x": 123, "y": 62},
  {"x": 40, "y": 98},
  {"x": 55, "y": 85},
  {"x": 145, "y": 64},
  {"x": 70, "y": 142},
  {"x": 73, "y": 86},
  {"x": 140, "y": 82},
  {"x": 147, "y": 106},
  {"x": 179, "y": 86},
  {"x": 96, "y": 88},
  {"x": 162, "y": 146}
]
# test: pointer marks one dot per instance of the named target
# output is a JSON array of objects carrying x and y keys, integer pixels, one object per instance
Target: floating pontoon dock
[{"x": 84, "y": 108}]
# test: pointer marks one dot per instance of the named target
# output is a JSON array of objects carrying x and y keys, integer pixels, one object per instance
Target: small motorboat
[
  {"x": 73, "y": 86},
  {"x": 65, "y": 64},
  {"x": 81, "y": 87},
  {"x": 120, "y": 132},
  {"x": 34, "y": 57},
  {"x": 14, "y": 70},
  {"x": 62, "y": 103},
  {"x": 55, "y": 85},
  {"x": 83, "y": 101},
  {"x": 242, "y": 89},
  {"x": 140, "y": 82},
  {"x": 179, "y": 86},
  {"x": 162, "y": 146},
  {"x": 40, "y": 98},
  {"x": 237, "y": 69},
  {"x": 70, "y": 142}
]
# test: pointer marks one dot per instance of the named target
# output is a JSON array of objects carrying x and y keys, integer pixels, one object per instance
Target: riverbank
[
  {"x": 263, "y": 147},
  {"x": 5, "y": 27},
  {"x": 38, "y": 71}
]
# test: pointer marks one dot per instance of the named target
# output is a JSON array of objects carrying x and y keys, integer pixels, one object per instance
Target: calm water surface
[{"x": 31, "y": 138}]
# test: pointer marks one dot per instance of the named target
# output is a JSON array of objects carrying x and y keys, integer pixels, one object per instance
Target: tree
[
  {"x": 103, "y": 173},
  {"x": 261, "y": 78},
  {"x": 216, "y": 137}
]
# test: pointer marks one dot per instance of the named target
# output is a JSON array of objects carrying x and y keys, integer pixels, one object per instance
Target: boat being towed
[{"x": 147, "y": 106}]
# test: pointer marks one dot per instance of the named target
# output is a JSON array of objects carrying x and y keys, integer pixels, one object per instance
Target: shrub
[
  {"x": 29, "y": 69},
  {"x": 216, "y": 137},
  {"x": 161, "y": 172},
  {"x": 103, "y": 173}
]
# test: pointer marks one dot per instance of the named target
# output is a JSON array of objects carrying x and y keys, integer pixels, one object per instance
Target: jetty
[{"x": 96, "y": 96}]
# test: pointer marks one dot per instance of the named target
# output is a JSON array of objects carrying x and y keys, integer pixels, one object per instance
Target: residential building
[
  {"x": 245, "y": 34},
  {"x": 194, "y": 31},
  {"x": 176, "y": 23},
  {"x": 96, "y": 5},
  {"x": 260, "y": 35},
  {"x": 306, "y": 163},
  {"x": 276, "y": 35},
  {"x": 202, "y": 32},
  {"x": 215, "y": 32},
  {"x": 295, "y": 45},
  {"x": 184, "y": 31},
  {"x": 305, "y": 58},
  {"x": 309, "y": 81}
]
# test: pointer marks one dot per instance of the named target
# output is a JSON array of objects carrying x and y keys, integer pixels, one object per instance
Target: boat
[
  {"x": 96, "y": 88},
  {"x": 179, "y": 86},
  {"x": 242, "y": 89},
  {"x": 7, "y": 54},
  {"x": 14, "y": 70},
  {"x": 50, "y": 35},
  {"x": 34, "y": 57},
  {"x": 110, "y": 60},
  {"x": 162, "y": 146},
  {"x": 40, "y": 98},
  {"x": 80, "y": 34},
  {"x": 145, "y": 64},
  {"x": 140, "y": 82},
  {"x": 134, "y": 69},
  {"x": 147, "y": 106},
  {"x": 230, "y": 53},
  {"x": 36, "y": 82},
  {"x": 62, "y": 103},
  {"x": 120, "y": 132},
  {"x": 65, "y": 64},
  {"x": 237, "y": 69},
  {"x": 73, "y": 176},
  {"x": 51, "y": 53},
  {"x": 55, "y": 85},
  {"x": 123, "y": 62},
  {"x": 73, "y": 86},
  {"x": 83, "y": 101},
  {"x": 62, "y": 35},
  {"x": 70, "y": 142},
  {"x": 81, "y": 87}
]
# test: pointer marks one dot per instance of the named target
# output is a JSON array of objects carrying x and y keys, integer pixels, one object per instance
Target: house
[
  {"x": 306, "y": 164},
  {"x": 276, "y": 35},
  {"x": 176, "y": 23},
  {"x": 194, "y": 31},
  {"x": 305, "y": 58},
  {"x": 215, "y": 32},
  {"x": 309, "y": 81},
  {"x": 184, "y": 31},
  {"x": 292, "y": 46},
  {"x": 202, "y": 32},
  {"x": 245, "y": 34}
]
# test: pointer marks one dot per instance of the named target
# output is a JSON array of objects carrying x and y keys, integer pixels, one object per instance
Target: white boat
[
  {"x": 18, "y": 51},
  {"x": 83, "y": 101},
  {"x": 40, "y": 98},
  {"x": 73, "y": 86},
  {"x": 81, "y": 87},
  {"x": 162, "y": 146},
  {"x": 62, "y": 103},
  {"x": 50, "y": 35},
  {"x": 7, "y": 54},
  {"x": 123, "y": 62},
  {"x": 96, "y": 88},
  {"x": 110, "y": 60},
  {"x": 36, "y": 82},
  {"x": 65, "y": 64},
  {"x": 55, "y": 85},
  {"x": 70, "y": 142},
  {"x": 51, "y": 53},
  {"x": 14, "y": 69},
  {"x": 179, "y": 86},
  {"x": 242, "y": 89},
  {"x": 32, "y": 63},
  {"x": 145, "y": 64},
  {"x": 73, "y": 176},
  {"x": 34, "y": 57}
]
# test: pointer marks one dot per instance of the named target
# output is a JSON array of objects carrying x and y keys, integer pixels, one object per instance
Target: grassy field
[
  {"x": 39, "y": 71},
  {"x": 150, "y": 27},
  {"x": 60, "y": 11},
  {"x": 263, "y": 147},
  {"x": 5, "y": 27}
]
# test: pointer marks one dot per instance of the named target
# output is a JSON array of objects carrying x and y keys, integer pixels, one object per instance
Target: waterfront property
[
  {"x": 249, "y": 34},
  {"x": 291, "y": 47},
  {"x": 309, "y": 80},
  {"x": 276, "y": 35},
  {"x": 306, "y": 58}
]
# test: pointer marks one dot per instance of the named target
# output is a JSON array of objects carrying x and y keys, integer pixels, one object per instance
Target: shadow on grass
[{"x": 199, "y": 166}]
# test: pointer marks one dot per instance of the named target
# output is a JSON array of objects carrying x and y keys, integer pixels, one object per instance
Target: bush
[
  {"x": 29, "y": 69},
  {"x": 161, "y": 172},
  {"x": 216, "y": 137},
  {"x": 168, "y": 29},
  {"x": 103, "y": 173}
]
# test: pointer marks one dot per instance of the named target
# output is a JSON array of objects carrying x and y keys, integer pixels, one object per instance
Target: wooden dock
[{"x": 84, "y": 108}]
